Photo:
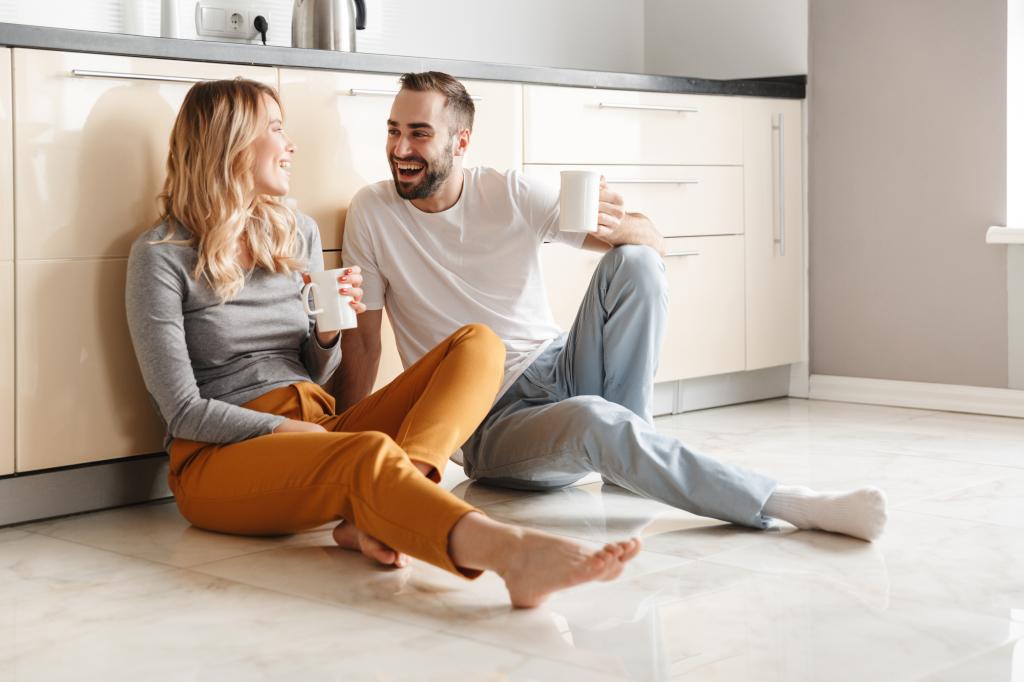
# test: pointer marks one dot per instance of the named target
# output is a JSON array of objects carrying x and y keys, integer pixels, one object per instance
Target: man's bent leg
[{"x": 615, "y": 342}]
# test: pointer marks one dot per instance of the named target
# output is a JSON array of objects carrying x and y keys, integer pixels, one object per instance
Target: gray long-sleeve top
[{"x": 201, "y": 359}]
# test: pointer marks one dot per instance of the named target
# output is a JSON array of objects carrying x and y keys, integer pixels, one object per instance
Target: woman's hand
[
  {"x": 349, "y": 284},
  {"x": 296, "y": 426}
]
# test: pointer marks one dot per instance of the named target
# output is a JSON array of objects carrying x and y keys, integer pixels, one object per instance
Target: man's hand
[
  {"x": 610, "y": 214},
  {"x": 349, "y": 284},
  {"x": 616, "y": 227}
]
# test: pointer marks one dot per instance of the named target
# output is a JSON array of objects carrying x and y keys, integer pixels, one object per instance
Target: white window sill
[{"x": 1004, "y": 235}]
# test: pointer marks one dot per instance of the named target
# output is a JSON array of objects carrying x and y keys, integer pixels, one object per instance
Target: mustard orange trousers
[{"x": 361, "y": 469}]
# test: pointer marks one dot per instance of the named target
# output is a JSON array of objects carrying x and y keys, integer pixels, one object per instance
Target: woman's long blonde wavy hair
[{"x": 210, "y": 182}]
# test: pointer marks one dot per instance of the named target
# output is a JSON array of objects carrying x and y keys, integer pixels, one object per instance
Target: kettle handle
[{"x": 360, "y": 14}]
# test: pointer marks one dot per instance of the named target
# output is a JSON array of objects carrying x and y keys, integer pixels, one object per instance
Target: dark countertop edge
[{"x": 69, "y": 40}]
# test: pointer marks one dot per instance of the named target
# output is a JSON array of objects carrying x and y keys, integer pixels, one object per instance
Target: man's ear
[{"x": 462, "y": 142}]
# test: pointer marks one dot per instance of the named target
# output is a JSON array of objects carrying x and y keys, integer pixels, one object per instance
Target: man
[{"x": 442, "y": 246}]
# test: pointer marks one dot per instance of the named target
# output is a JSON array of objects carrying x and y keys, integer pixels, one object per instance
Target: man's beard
[{"x": 434, "y": 175}]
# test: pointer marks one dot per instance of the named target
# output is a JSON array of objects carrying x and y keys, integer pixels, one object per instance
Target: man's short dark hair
[{"x": 457, "y": 100}]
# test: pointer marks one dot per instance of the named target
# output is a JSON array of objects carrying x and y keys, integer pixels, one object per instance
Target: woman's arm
[{"x": 154, "y": 292}]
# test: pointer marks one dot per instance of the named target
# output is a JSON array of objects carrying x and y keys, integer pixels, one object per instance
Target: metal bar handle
[
  {"x": 672, "y": 254},
  {"x": 781, "y": 185},
  {"x": 356, "y": 92},
  {"x": 85, "y": 73},
  {"x": 641, "y": 181},
  {"x": 647, "y": 107}
]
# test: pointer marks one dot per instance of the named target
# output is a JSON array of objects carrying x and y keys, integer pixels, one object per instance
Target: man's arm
[
  {"x": 615, "y": 227},
  {"x": 634, "y": 228},
  {"x": 360, "y": 359}
]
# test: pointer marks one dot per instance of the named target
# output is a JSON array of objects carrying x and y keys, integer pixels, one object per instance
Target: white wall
[
  {"x": 604, "y": 35},
  {"x": 725, "y": 38}
]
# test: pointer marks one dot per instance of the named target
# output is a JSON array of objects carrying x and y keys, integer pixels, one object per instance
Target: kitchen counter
[{"x": 38, "y": 37}]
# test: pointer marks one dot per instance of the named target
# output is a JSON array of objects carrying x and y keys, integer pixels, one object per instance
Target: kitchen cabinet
[
  {"x": 589, "y": 126},
  {"x": 704, "y": 332},
  {"x": 80, "y": 395},
  {"x": 6, "y": 367},
  {"x": 6, "y": 270},
  {"x": 91, "y": 133},
  {"x": 773, "y": 202},
  {"x": 338, "y": 122}
]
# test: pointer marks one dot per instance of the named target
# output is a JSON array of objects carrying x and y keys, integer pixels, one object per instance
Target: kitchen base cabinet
[
  {"x": 6, "y": 367},
  {"x": 6, "y": 160},
  {"x": 773, "y": 200},
  {"x": 80, "y": 395},
  {"x": 704, "y": 334}
]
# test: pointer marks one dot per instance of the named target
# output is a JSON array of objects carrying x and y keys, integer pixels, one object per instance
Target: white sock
[{"x": 860, "y": 513}]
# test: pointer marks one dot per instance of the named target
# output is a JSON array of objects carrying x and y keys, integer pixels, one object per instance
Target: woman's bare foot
[
  {"x": 546, "y": 563},
  {"x": 348, "y": 536}
]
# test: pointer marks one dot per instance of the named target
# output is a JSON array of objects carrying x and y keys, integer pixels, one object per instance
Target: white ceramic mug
[
  {"x": 578, "y": 201},
  {"x": 333, "y": 310}
]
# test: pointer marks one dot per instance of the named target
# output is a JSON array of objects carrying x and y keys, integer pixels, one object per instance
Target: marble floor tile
[
  {"x": 711, "y": 621},
  {"x": 999, "y": 502},
  {"x": 158, "y": 532},
  {"x": 1002, "y": 664}
]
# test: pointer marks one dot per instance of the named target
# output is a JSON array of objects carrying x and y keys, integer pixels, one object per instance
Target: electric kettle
[{"x": 327, "y": 24}]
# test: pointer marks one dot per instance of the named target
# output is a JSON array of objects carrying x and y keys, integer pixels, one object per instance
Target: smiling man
[{"x": 441, "y": 246}]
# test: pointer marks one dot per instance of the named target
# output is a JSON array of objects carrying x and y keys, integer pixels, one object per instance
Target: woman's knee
[{"x": 484, "y": 340}]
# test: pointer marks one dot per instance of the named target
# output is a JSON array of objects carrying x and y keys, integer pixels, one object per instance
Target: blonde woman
[{"x": 232, "y": 362}]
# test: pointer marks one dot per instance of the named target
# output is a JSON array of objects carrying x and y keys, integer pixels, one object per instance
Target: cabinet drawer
[
  {"x": 80, "y": 395},
  {"x": 682, "y": 201},
  {"x": 705, "y": 332},
  {"x": 92, "y": 149},
  {"x": 576, "y": 125},
  {"x": 6, "y": 160},
  {"x": 390, "y": 362},
  {"x": 6, "y": 367},
  {"x": 338, "y": 121}
]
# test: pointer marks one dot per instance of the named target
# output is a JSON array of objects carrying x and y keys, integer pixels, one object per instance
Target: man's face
[{"x": 421, "y": 147}]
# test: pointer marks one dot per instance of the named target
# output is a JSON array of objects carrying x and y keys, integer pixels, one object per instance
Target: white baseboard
[{"x": 1002, "y": 402}]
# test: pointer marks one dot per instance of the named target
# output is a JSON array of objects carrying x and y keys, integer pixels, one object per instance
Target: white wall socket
[{"x": 231, "y": 19}]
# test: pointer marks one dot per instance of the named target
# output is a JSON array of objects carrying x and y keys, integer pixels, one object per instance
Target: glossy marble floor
[{"x": 137, "y": 594}]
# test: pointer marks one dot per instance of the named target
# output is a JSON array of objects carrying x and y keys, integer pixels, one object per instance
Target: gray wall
[
  {"x": 907, "y": 169},
  {"x": 725, "y": 38}
]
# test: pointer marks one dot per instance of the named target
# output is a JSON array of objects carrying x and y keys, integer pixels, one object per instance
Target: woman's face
[{"x": 273, "y": 153}]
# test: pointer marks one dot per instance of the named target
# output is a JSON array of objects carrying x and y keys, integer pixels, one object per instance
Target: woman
[{"x": 232, "y": 362}]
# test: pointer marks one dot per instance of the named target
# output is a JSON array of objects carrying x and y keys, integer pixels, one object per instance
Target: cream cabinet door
[
  {"x": 338, "y": 122},
  {"x": 6, "y": 367},
  {"x": 390, "y": 363},
  {"x": 6, "y": 271},
  {"x": 80, "y": 395},
  {"x": 6, "y": 160},
  {"x": 582, "y": 125},
  {"x": 92, "y": 147},
  {"x": 705, "y": 318},
  {"x": 773, "y": 196}
]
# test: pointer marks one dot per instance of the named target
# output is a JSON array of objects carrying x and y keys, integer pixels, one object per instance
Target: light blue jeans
[{"x": 584, "y": 405}]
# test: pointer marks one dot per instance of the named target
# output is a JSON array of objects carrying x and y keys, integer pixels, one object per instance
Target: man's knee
[{"x": 641, "y": 266}]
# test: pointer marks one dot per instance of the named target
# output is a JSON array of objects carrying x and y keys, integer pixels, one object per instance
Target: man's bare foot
[
  {"x": 543, "y": 564},
  {"x": 348, "y": 536}
]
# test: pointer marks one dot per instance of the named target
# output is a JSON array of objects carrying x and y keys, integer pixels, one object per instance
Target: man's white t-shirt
[{"x": 478, "y": 261}]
